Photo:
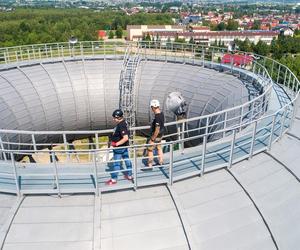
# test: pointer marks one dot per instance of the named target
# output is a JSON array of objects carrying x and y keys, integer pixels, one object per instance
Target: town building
[
  {"x": 169, "y": 33},
  {"x": 136, "y": 32}
]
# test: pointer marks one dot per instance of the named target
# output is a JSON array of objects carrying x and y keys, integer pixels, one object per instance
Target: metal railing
[
  {"x": 236, "y": 142},
  {"x": 192, "y": 54}
]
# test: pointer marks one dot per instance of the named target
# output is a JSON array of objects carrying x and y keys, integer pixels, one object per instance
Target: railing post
[
  {"x": 295, "y": 109},
  {"x": 182, "y": 137},
  {"x": 253, "y": 140},
  {"x": 285, "y": 75},
  {"x": 232, "y": 149},
  {"x": 206, "y": 125},
  {"x": 183, "y": 48},
  {"x": 97, "y": 144},
  {"x": 271, "y": 133},
  {"x": 15, "y": 173},
  {"x": 231, "y": 63},
  {"x": 21, "y": 54},
  {"x": 293, "y": 86},
  {"x": 28, "y": 54},
  {"x": 95, "y": 174},
  {"x": 264, "y": 64},
  {"x": 212, "y": 57},
  {"x": 104, "y": 50},
  {"x": 225, "y": 121},
  {"x": 2, "y": 148},
  {"x": 203, "y": 56},
  {"x": 272, "y": 69},
  {"x": 16, "y": 55},
  {"x": 56, "y": 173},
  {"x": 33, "y": 142},
  {"x": 93, "y": 49},
  {"x": 66, "y": 147},
  {"x": 135, "y": 182},
  {"x": 70, "y": 50},
  {"x": 193, "y": 53},
  {"x": 62, "y": 52},
  {"x": 204, "y": 143},
  {"x": 288, "y": 85},
  {"x": 171, "y": 164},
  {"x": 179, "y": 135},
  {"x": 278, "y": 74},
  {"x": 7, "y": 56},
  {"x": 241, "y": 118},
  {"x": 283, "y": 121},
  {"x": 33, "y": 52}
]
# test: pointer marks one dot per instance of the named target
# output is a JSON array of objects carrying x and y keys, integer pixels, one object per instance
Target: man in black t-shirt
[
  {"x": 157, "y": 131},
  {"x": 120, "y": 138}
]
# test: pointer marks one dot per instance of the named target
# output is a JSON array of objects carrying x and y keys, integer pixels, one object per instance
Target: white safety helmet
[{"x": 154, "y": 103}]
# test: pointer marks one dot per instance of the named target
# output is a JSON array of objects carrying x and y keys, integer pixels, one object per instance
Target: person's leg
[
  {"x": 117, "y": 165},
  {"x": 128, "y": 163},
  {"x": 160, "y": 154},
  {"x": 150, "y": 156}
]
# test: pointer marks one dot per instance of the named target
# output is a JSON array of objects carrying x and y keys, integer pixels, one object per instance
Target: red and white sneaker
[
  {"x": 128, "y": 177},
  {"x": 111, "y": 182}
]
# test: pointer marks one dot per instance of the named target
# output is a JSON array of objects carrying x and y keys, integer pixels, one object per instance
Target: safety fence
[
  {"x": 255, "y": 73},
  {"x": 242, "y": 131}
]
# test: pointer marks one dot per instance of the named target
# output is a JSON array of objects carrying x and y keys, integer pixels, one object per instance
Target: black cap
[{"x": 117, "y": 113}]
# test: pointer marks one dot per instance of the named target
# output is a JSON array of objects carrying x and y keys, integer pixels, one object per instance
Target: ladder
[{"x": 127, "y": 102}]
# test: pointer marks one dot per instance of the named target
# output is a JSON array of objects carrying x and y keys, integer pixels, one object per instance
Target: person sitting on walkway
[
  {"x": 120, "y": 138},
  {"x": 157, "y": 131}
]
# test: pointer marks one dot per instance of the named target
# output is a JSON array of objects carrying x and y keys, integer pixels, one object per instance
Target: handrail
[
  {"x": 263, "y": 130},
  {"x": 145, "y": 145},
  {"x": 267, "y": 90}
]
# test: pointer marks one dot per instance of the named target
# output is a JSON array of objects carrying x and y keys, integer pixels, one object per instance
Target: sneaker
[
  {"x": 128, "y": 177},
  {"x": 111, "y": 182},
  {"x": 149, "y": 167}
]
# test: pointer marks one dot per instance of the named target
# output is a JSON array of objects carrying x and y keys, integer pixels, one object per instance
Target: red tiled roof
[
  {"x": 237, "y": 59},
  {"x": 101, "y": 33},
  {"x": 214, "y": 33},
  {"x": 200, "y": 28}
]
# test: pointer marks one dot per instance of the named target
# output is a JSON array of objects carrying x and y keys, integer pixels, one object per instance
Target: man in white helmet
[{"x": 157, "y": 131}]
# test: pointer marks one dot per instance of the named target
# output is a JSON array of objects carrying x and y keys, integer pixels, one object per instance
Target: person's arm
[
  {"x": 155, "y": 134},
  {"x": 123, "y": 140}
]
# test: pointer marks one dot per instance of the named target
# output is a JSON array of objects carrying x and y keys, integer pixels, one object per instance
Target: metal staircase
[{"x": 127, "y": 101}]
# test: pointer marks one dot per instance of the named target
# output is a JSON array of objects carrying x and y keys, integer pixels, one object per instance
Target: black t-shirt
[
  {"x": 119, "y": 131},
  {"x": 158, "y": 121}
]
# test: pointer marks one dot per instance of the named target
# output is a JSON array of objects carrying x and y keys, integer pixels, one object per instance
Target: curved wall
[{"x": 81, "y": 95}]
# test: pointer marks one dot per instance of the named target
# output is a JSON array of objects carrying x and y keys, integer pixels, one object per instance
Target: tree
[
  {"x": 232, "y": 25},
  {"x": 244, "y": 45},
  {"x": 256, "y": 25},
  {"x": 24, "y": 27},
  {"x": 261, "y": 48},
  {"x": 191, "y": 41},
  {"x": 206, "y": 23},
  {"x": 119, "y": 32},
  {"x": 57, "y": 25},
  {"x": 111, "y": 34},
  {"x": 117, "y": 23},
  {"x": 146, "y": 37},
  {"x": 221, "y": 26}
]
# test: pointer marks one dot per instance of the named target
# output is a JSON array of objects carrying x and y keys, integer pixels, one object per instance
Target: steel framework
[
  {"x": 235, "y": 144},
  {"x": 127, "y": 87}
]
